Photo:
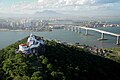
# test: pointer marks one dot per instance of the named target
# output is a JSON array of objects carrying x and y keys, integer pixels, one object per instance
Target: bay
[{"x": 9, "y": 37}]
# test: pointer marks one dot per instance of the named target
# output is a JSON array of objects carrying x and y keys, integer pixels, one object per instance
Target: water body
[{"x": 8, "y": 37}]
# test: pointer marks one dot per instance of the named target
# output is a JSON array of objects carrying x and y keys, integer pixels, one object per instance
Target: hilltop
[
  {"x": 48, "y": 13},
  {"x": 58, "y": 62}
]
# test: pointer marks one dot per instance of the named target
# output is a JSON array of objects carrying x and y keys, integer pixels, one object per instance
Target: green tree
[
  {"x": 45, "y": 61},
  {"x": 57, "y": 75},
  {"x": 15, "y": 67},
  {"x": 50, "y": 66},
  {"x": 37, "y": 76}
]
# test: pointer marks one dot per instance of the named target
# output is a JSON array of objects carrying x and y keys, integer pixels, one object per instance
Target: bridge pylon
[
  {"x": 102, "y": 36},
  {"x": 86, "y": 33},
  {"x": 117, "y": 40}
]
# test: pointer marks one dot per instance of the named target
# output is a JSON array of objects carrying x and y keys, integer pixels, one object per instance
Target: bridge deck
[{"x": 101, "y": 31}]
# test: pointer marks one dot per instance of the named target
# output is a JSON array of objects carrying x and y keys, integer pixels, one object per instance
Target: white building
[
  {"x": 32, "y": 43},
  {"x": 23, "y": 47}
]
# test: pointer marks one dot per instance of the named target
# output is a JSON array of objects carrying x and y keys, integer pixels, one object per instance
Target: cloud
[
  {"x": 103, "y": 7},
  {"x": 74, "y": 2},
  {"x": 65, "y": 5},
  {"x": 65, "y": 2},
  {"x": 91, "y": 4},
  {"x": 106, "y": 1},
  {"x": 62, "y": 5}
]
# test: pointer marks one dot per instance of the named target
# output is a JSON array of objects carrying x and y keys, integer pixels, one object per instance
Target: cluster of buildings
[
  {"x": 36, "y": 24},
  {"x": 91, "y": 24},
  {"x": 98, "y": 24},
  {"x": 33, "y": 45},
  {"x": 24, "y": 24}
]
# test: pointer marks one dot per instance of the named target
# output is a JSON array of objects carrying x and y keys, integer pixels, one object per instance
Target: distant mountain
[{"x": 48, "y": 13}]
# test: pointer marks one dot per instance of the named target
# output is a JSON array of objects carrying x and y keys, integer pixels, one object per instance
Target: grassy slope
[{"x": 115, "y": 55}]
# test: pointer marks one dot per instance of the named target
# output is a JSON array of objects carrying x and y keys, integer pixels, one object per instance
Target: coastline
[
  {"x": 59, "y": 35},
  {"x": 23, "y": 30}
]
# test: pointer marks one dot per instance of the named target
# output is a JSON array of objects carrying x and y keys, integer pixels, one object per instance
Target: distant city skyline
[{"x": 76, "y": 7}]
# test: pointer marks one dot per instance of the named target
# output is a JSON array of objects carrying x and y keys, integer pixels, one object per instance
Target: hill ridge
[{"x": 59, "y": 62}]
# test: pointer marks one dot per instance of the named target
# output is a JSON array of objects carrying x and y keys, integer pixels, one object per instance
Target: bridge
[{"x": 78, "y": 29}]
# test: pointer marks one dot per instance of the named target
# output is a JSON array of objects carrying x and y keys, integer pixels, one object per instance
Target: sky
[{"x": 76, "y": 7}]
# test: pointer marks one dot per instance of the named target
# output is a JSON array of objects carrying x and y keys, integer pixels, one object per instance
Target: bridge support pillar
[
  {"x": 75, "y": 29},
  {"x": 86, "y": 32},
  {"x": 117, "y": 40},
  {"x": 102, "y": 36},
  {"x": 64, "y": 28},
  {"x": 71, "y": 28},
  {"x": 68, "y": 28},
  {"x": 79, "y": 30}
]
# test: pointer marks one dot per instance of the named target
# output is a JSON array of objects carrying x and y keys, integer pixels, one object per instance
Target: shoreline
[
  {"x": 102, "y": 44},
  {"x": 83, "y": 45},
  {"x": 6, "y": 30}
]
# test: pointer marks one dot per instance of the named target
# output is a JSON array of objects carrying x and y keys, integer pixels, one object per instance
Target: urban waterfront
[{"x": 8, "y": 37}]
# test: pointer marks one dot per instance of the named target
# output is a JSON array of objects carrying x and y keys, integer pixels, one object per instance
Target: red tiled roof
[{"x": 24, "y": 44}]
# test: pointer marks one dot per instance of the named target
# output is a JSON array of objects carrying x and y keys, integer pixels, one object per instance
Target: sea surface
[{"x": 9, "y": 37}]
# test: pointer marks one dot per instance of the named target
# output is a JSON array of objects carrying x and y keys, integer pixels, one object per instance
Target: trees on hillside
[{"x": 59, "y": 62}]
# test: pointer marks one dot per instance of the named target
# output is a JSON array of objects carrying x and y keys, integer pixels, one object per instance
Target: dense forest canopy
[{"x": 58, "y": 62}]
